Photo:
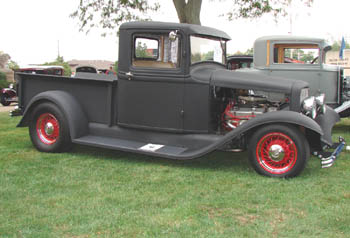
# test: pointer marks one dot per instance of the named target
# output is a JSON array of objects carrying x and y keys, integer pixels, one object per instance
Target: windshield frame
[{"x": 223, "y": 45}]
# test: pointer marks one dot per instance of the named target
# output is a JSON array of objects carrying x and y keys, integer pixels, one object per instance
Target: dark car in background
[
  {"x": 43, "y": 69},
  {"x": 9, "y": 95},
  {"x": 239, "y": 61}
]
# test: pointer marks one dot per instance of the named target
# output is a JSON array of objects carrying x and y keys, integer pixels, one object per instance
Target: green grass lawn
[{"x": 91, "y": 192}]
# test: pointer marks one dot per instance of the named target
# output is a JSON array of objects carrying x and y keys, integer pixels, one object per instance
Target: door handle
[{"x": 130, "y": 75}]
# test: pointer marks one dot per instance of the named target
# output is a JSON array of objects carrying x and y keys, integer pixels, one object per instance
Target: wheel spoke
[{"x": 276, "y": 153}]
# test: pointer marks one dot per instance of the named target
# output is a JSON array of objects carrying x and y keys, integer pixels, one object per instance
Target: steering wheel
[{"x": 314, "y": 60}]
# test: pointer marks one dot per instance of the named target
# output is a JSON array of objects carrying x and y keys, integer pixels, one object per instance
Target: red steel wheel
[
  {"x": 278, "y": 150},
  {"x": 48, "y": 128},
  {"x": 276, "y": 153}
]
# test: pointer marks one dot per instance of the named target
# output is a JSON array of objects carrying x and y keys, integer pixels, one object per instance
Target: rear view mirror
[
  {"x": 173, "y": 35},
  {"x": 327, "y": 48}
]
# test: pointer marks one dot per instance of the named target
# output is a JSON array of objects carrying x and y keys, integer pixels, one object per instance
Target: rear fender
[{"x": 76, "y": 117}]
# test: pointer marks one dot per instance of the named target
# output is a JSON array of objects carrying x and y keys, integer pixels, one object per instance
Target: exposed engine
[{"x": 244, "y": 105}]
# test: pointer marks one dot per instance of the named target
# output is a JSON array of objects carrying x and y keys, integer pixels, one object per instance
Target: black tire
[
  {"x": 48, "y": 129},
  {"x": 4, "y": 99},
  {"x": 278, "y": 151},
  {"x": 345, "y": 113}
]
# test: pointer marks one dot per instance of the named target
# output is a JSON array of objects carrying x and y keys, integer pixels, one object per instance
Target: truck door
[{"x": 151, "y": 92}]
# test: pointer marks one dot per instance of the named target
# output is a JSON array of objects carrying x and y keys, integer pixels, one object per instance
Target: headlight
[
  {"x": 321, "y": 106},
  {"x": 310, "y": 107},
  {"x": 304, "y": 93}
]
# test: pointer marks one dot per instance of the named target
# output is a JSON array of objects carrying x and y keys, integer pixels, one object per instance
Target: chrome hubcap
[
  {"x": 276, "y": 153},
  {"x": 49, "y": 128}
]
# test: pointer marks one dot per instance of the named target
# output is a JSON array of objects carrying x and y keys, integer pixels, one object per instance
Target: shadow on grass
[{"x": 216, "y": 160}]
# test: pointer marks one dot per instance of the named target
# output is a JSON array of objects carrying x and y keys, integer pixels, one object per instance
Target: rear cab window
[
  {"x": 306, "y": 54},
  {"x": 156, "y": 51}
]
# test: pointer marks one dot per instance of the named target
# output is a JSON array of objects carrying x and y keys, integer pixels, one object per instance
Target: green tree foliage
[
  {"x": 141, "y": 50},
  {"x": 299, "y": 54},
  {"x": 197, "y": 57},
  {"x": 116, "y": 66},
  {"x": 247, "y": 52},
  {"x": 60, "y": 62},
  {"x": 336, "y": 45},
  {"x": 13, "y": 65},
  {"x": 2, "y": 76},
  {"x": 3, "y": 82},
  {"x": 109, "y": 14}
]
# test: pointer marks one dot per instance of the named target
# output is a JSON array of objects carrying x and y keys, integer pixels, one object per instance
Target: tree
[
  {"x": 12, "y": 65},
  {"x": 109, "y": 14},
  {"x": 4, "y": 58},
  {"x": 336, "y": 45},
  {"x": 116, "y": 66},
  {"x": 141, "y": 50}
]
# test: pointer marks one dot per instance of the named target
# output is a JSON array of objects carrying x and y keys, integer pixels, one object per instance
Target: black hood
[
  {"x": 245, "y": 79},
  {"x": 250, "y": 79},
  {"x": 254, "y": 79}
]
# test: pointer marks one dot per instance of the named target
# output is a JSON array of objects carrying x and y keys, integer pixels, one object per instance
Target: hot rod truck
[
  {"x": 173, "y": 97},
  {"x": 303, "y": 58}
]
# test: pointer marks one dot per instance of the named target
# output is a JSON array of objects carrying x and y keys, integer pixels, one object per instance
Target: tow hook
[{"x": 328, "y": 158}]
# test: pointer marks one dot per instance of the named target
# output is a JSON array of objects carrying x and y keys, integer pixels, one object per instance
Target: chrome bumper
[
  {"x": 329, "y": 158},
  {"x": 343, "y": 107}
]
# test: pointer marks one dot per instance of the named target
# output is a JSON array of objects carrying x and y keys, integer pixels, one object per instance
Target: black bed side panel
[{"x": 95, "y": 96}]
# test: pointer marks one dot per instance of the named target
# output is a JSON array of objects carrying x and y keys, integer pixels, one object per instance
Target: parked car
[
  {"x": 240, "y": 61},
  {"x": 303, "y": 58},
  {"x": 175, "y": 98},
  {"x": 43, "y": 69},
  {"x": 8, "y": 95}
]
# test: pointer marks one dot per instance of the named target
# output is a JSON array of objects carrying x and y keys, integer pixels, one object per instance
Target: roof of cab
[
  {"x": 290, "y": 38},
  {"x": 190, "y": 29}
]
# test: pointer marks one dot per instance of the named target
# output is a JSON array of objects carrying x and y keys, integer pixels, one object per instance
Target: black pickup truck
[{"x": 173, "y": 97}]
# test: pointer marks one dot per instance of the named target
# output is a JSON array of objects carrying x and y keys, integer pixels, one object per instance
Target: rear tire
[
  {"x": 48, "y": 129},
  {"x": 278, "y": 151}
]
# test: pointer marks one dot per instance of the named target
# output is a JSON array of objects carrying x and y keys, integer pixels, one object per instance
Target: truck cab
[
  {"x": 173, "y": 97},
  {"x": 303, "y": 58}
]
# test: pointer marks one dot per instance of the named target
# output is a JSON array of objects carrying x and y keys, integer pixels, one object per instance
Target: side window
[
  {"x": 296, "y": 54},
  {"x": 156, "y": 51}
]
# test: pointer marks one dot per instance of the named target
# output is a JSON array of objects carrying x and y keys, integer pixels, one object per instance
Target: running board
[
  {"x": 131, "y": 146},
  {"x": 160, "y": 144}
]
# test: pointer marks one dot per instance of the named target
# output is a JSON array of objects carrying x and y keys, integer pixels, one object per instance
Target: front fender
[
  {"x": 322, "y": 126},
  {"x": 9, "y": 91},
  {"x": 285, "y": 117},
  {"x": 76, "y": 117}
]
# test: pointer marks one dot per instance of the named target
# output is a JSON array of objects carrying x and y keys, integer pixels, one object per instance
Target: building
[{"x": 98, "y": 64}]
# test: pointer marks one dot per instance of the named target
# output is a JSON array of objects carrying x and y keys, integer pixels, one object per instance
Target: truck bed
[{"x": 96, "y": 93}]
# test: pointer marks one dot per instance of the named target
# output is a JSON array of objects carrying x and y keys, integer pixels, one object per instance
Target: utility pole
[{"x": 58, "y": 48}]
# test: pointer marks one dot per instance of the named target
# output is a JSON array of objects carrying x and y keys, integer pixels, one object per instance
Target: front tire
[
  {"x": 345, "y": 113},
  {"x": 48, "y": 129},
  {"x": 4, "y": 100},
  {"x": 278, "y": 151}
]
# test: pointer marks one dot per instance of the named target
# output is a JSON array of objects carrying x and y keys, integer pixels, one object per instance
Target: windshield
[{"x": 207, "y": 49}]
